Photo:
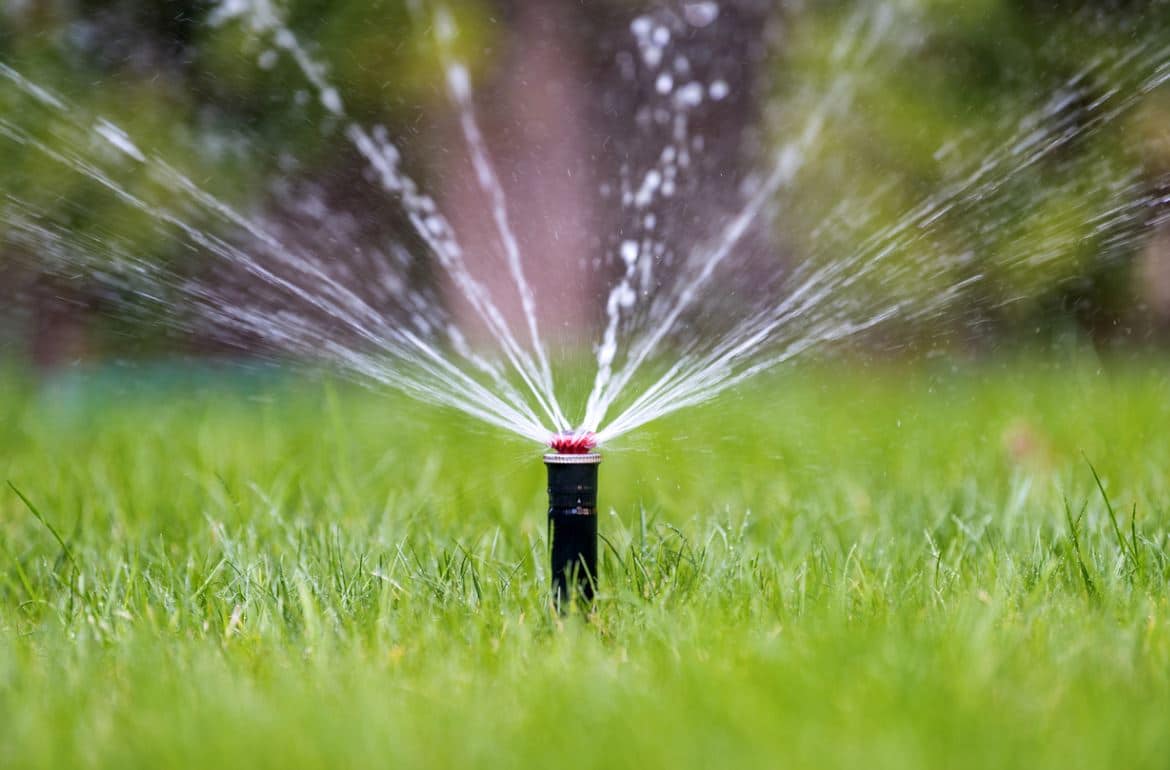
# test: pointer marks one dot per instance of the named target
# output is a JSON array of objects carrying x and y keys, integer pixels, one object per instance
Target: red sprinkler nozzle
[{"x": 573, "y": 443}]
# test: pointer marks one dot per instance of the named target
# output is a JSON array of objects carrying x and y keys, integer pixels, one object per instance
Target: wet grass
[{"x": 843, "y": 567}]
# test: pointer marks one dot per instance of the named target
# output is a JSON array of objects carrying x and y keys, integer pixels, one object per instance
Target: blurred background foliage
[
  {"x": 950, "y": 83},
  {"x": 213, "y": 101},
  {"x": 1063, "y": 243}
]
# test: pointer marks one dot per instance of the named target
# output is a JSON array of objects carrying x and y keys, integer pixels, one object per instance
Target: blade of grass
[
  {"x": 1133, "y": 536},
  {"x": 52, "y": 530},
  {"x": 1130, "y": 556},
  {"x": 1074, "y": 535}
]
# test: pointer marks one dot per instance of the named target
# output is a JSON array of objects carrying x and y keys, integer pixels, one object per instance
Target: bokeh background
[{"x": 946, "y": 83}]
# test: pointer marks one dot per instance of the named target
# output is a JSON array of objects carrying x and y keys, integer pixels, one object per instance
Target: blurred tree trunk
[
  {"x": 58, "y": 323},
  {"x": 1152, "y": 284},
  {"x": 559, "y": 119},
  {"x": 534, "y": 115}
]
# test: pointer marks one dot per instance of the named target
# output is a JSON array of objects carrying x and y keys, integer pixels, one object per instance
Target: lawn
[{"x": 847, "y": 565}]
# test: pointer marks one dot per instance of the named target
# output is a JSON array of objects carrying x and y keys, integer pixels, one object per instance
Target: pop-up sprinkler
[{"x": 572, "y": 515}]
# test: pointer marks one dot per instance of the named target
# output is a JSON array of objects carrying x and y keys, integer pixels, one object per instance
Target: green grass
[{"x": 842, "y": 567}]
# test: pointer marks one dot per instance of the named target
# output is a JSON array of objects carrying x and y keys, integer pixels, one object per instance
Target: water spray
[{"x": 572, "y": 515}]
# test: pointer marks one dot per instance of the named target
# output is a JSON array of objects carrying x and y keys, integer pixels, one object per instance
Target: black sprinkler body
[{"x": 572, "y": 525}]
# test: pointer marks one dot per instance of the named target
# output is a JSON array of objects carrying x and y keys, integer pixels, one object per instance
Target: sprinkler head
[
  {"x": 572, "y": 524},
  {"x": 573, "y": 442}
]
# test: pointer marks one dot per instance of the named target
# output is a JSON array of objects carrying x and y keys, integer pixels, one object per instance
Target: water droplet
[
  {"x": 119, "y": 139},
  {"x": 650, "y": 185},
  {"x": 629, "y": 252},
  {"x": 331, "y": 100},
  {"x": 444, "y": 25},
  {"x": 458, "y": 81},
  {"x": 701, "y": 14},
  {"x": 690, "y": 95}
]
